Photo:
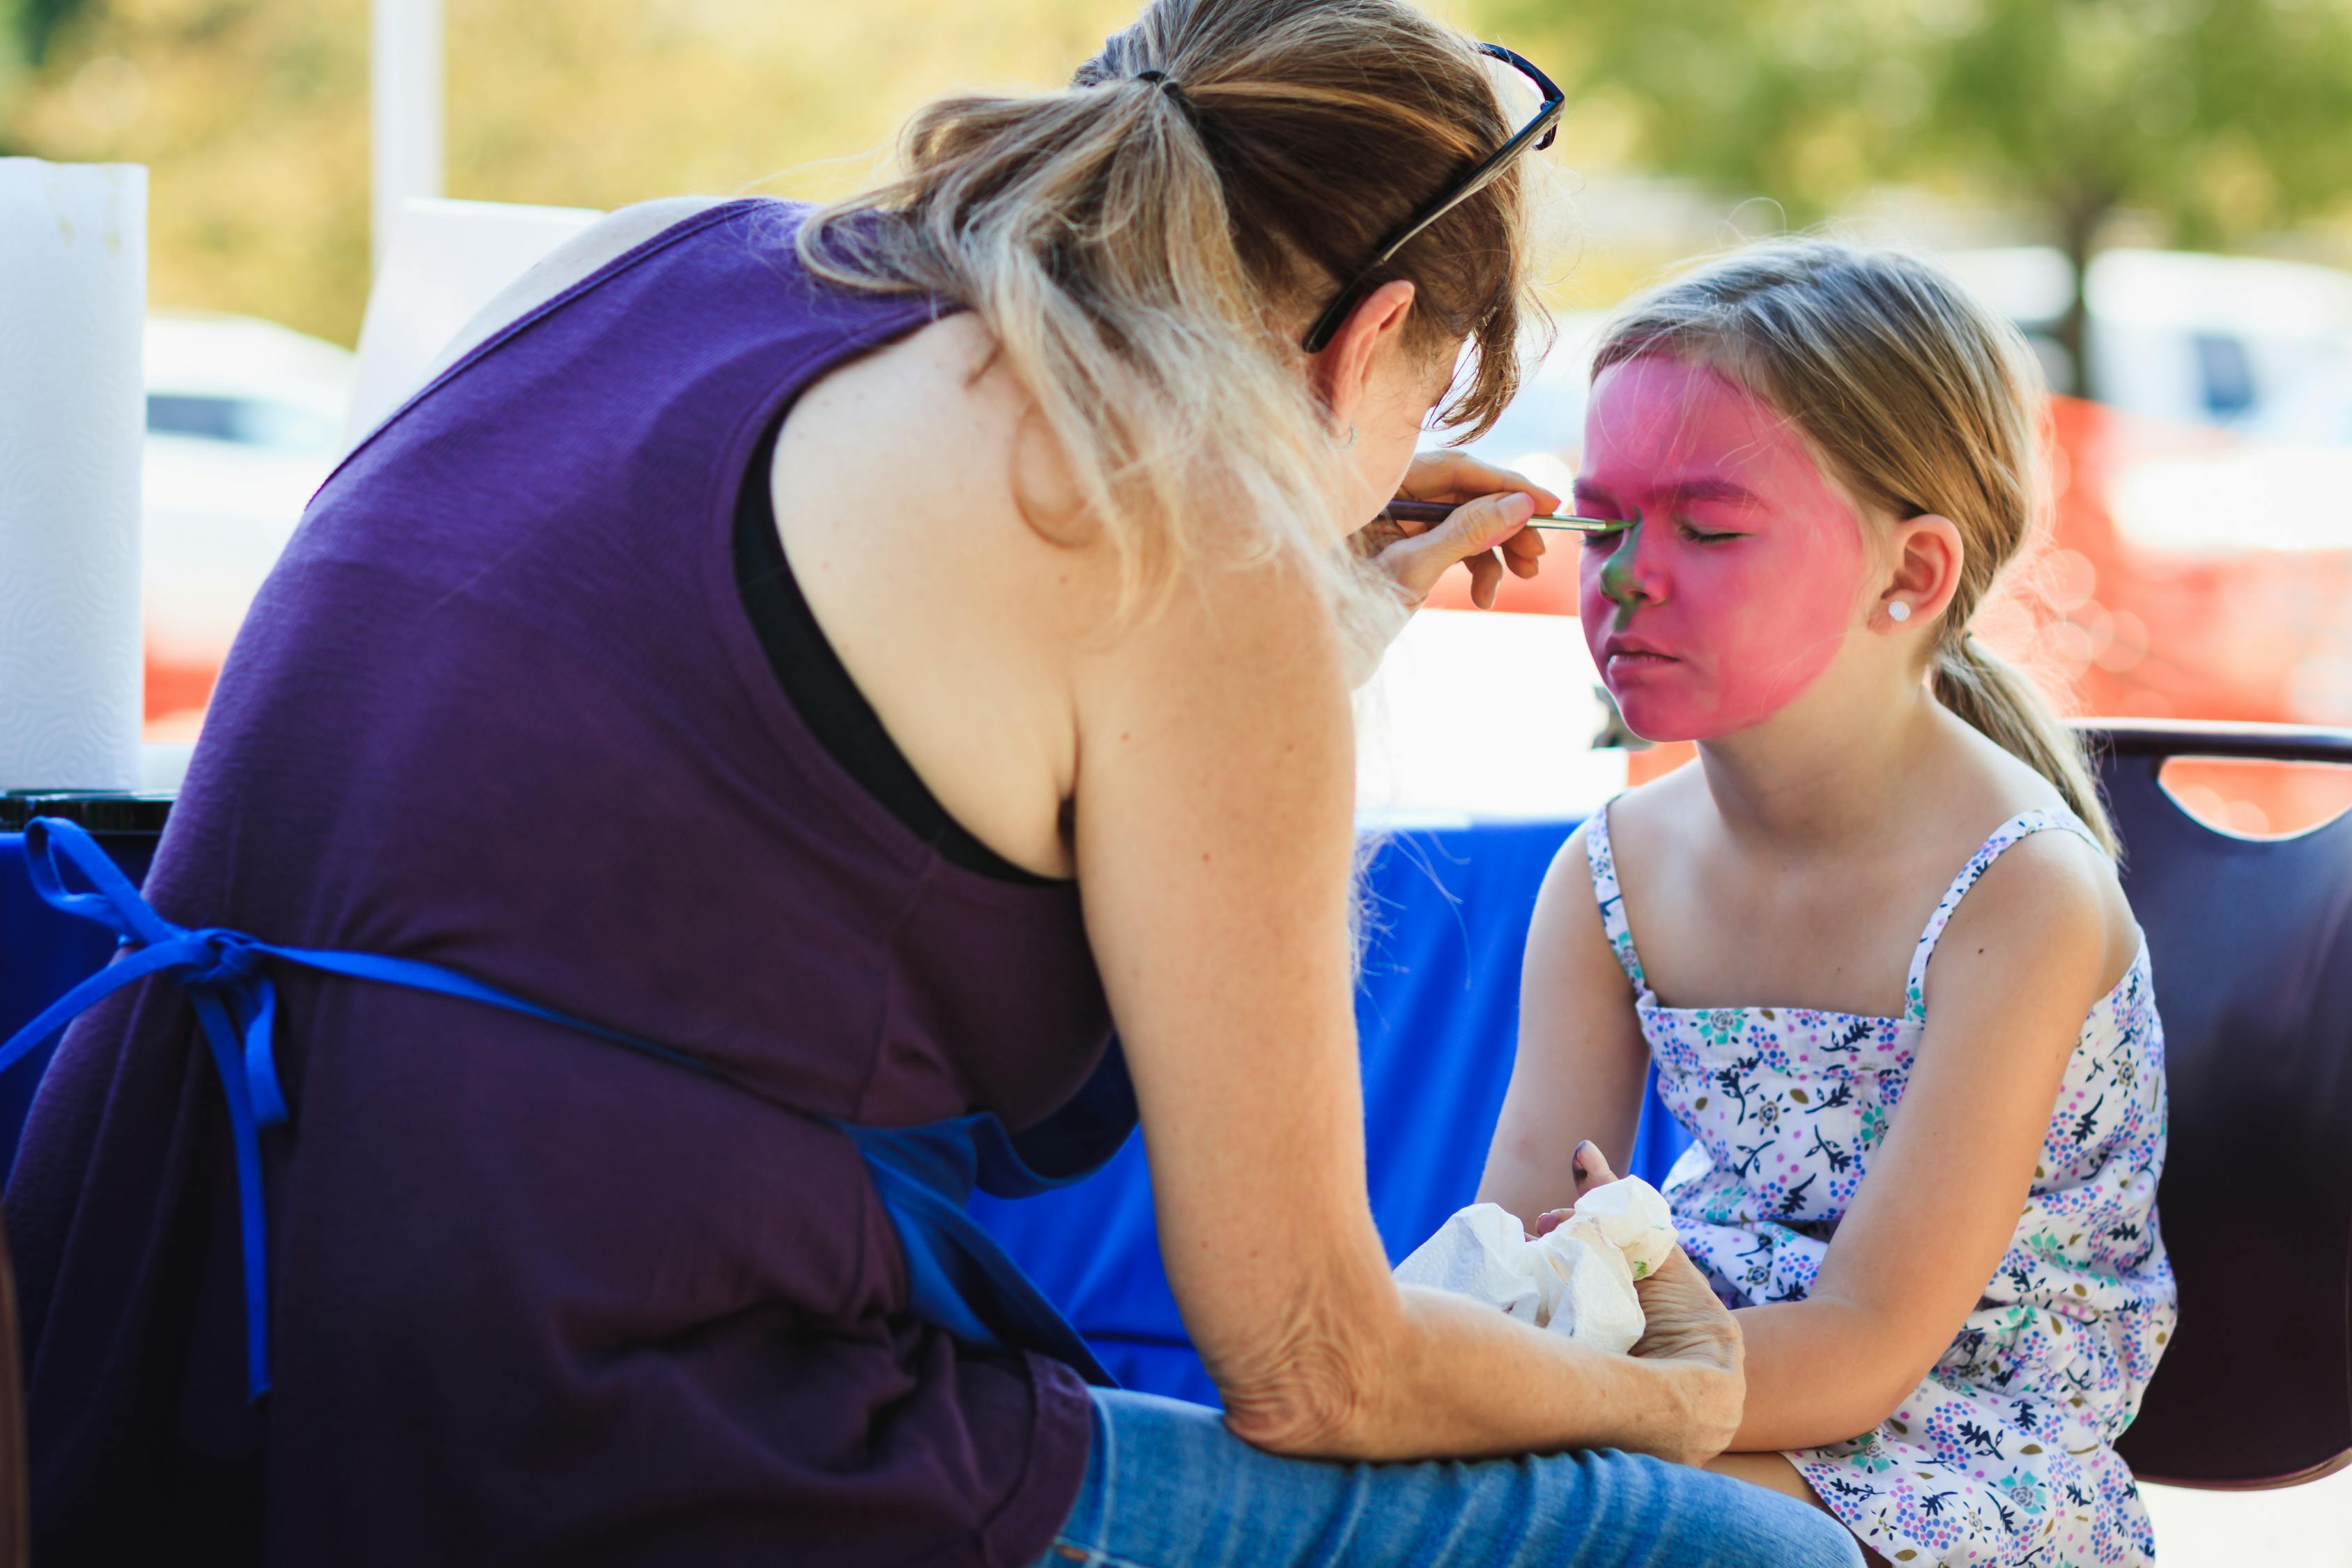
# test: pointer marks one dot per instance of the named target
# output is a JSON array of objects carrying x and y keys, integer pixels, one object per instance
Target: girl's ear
[{"x": 1924, "y": 572}]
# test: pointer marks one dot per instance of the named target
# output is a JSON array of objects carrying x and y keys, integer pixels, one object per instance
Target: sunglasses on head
[{"x": 1537, "y": 132}]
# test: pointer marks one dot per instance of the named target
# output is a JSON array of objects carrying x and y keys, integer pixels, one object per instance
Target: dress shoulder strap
[
  {"x": 1612, "y": 898},
  {"x": 2024, "y": 824}
]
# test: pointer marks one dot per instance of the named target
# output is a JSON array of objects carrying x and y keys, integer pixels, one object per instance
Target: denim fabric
[{"x": 1168, "y": 1486}]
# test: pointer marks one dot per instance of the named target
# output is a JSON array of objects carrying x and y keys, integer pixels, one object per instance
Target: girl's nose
[{"x": 1626, "y": 581}]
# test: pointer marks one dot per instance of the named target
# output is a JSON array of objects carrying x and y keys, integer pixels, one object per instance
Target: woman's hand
[
  {"x": 1486, "y": 534},
  {"x": 1684, "y": 1324}
]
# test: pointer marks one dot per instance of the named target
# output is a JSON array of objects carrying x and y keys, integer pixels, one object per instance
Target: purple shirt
[{"x": 535, "y": 1298}]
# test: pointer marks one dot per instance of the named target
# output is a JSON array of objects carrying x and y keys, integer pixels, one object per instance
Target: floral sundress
[{"x": 2005, "y": 1454}]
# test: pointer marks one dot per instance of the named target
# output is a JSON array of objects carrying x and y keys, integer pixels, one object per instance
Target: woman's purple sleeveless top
[{"x": 537, "y": 1298}]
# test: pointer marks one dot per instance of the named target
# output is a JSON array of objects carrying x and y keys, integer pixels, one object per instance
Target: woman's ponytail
[
  {"x": 1995, "y": 698},
  {"x": 1138, "y": 245}
]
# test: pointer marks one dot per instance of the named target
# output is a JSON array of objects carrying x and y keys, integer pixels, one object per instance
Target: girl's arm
[
  {"x": 1581, "y": 1061},
  {"x": 2021, "y": 964},
  {"x": 1213, "y": 844}
]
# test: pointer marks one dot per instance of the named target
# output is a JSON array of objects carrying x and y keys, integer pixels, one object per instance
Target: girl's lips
[{"x": 1630, "y": 667}]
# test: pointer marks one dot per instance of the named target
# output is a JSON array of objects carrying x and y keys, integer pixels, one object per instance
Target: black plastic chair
[{"x": 2250, "y": 941}]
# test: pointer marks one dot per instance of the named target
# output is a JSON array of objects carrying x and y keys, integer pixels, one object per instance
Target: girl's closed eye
[{"x": 1698, "y": 535}]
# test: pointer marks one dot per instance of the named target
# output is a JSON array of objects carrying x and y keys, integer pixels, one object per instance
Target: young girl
[{"x": 1925, "y": 1175}]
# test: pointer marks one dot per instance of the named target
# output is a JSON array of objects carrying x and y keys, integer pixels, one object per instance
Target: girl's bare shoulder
[{"x": 1647, "y": 820}]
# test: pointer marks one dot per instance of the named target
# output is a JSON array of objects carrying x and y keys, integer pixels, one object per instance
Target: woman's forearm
[
  {"x": 1818, "y": 1372},
  {"x": 1454, "y": 1378}
]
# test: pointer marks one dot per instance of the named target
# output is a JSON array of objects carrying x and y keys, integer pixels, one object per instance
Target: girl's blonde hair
[
  {"x": 1145, "y": 251},
  {"x": 1921, "y": 400}
]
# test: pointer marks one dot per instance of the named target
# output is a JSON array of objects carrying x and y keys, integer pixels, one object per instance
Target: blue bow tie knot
[
  {"x": 225, "y": 974},
  {"x": 236, "y": 961}
]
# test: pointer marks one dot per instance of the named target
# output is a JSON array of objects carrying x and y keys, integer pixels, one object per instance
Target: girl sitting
[{"x": 1925, "y": 1175}]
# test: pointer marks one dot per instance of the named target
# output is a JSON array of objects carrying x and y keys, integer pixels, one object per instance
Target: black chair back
[{"x": 2250, "y": 941}]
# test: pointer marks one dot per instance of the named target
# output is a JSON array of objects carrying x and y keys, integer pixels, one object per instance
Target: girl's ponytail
[{"x": 1995, "y": 698}]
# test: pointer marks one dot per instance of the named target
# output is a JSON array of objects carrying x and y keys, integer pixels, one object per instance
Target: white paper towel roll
[{"x": 73, "y": 303}]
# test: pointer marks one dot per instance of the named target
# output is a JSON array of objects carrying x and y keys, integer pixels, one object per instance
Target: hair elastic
[{"x": 1168, "y": 85}]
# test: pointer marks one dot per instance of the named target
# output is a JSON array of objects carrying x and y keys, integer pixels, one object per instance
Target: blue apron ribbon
[{"x": 959, "y": 1278}]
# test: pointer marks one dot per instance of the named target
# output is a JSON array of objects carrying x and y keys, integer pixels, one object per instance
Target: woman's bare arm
[
  {"x": 1581, "y": 1061},
  {"x": 1213, "y": 844},
  {"x": 2022, "y": 961}
]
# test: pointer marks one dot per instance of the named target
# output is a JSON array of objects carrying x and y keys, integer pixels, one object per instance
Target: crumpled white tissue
[{"x": 1578, "y": 1280}]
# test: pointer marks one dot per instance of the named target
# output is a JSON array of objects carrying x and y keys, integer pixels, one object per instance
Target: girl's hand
[
  {"x": 1488, "y": 534},
  {"x": 1589, "y": 1167},
  {"x": 1684, "y": 1323}
]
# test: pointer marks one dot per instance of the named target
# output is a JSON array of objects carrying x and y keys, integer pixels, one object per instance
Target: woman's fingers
[
  {"x": 1470, "y": 535},
  {"x": 1447, "y": 475},
  {"x": 1523, "y": 552},
  {"x": 1486, "y": 576}
]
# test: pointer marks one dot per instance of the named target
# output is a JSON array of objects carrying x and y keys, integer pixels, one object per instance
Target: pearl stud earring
[{"x": 1898, "y": 611}]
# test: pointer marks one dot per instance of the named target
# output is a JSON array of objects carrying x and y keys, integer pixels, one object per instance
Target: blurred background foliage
[
  {"x": 2218, "y": 121},
  {"x": 2203, "y": 123}
]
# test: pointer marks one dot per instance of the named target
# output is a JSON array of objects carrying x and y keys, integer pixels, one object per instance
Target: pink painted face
[{"x": 1740, "y": 582}]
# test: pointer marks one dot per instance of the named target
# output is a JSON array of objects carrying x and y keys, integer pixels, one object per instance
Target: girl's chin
[
  {"x": 1661, "y": 725},
  {"x": 1664, "y": 719},
  {"x": 1656, "y": 722}
]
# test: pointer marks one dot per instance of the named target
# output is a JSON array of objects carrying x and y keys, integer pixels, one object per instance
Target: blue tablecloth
[
  {"x": 1437, "y": 1014},
  {"x": 42, "y": 954}
]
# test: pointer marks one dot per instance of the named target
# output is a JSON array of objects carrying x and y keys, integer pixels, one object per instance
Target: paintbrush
[{"x": 1438, "y": 512}]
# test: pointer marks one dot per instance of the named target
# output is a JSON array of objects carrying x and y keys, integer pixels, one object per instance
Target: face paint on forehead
[{"x": 1743, "y": 576}]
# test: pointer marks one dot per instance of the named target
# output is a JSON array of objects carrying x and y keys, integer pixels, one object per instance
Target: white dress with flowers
[{"x": 2006, "y": 1453}]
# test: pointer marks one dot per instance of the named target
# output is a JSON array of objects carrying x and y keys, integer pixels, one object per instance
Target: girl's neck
[{"x": 1825, "y": 771}]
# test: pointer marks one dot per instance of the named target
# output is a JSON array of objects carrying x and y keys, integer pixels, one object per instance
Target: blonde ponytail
[
  {"x": 1921, "y": 400},
  {"x": 1137, "y": 245},
  {"x": 1997, "y": 698}
]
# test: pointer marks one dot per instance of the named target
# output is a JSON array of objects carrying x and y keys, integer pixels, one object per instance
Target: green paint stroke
[{"x": 1617, "y": 576}]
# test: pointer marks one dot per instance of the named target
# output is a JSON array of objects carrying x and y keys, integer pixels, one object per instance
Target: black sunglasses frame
[{"x": 1538, "y": 132}]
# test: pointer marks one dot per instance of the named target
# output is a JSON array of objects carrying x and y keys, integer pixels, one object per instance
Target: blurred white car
[
  {"x": 244, "y": 421},
  {"x": 2239, "y": 342}
]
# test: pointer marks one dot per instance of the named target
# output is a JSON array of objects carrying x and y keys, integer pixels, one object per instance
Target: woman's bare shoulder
[{"x": 929, "y": 449}]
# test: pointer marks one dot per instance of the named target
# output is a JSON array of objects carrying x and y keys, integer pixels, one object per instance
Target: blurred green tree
[
  {"x": 26, "y": 27},
  {"x": 31, "y": 24},
  {"x": 2227, "y": 117},
  {"x": 252, "y": 115}
]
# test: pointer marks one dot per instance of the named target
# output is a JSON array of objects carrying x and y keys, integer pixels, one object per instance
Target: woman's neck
[{"x": 1825, "y": 770}]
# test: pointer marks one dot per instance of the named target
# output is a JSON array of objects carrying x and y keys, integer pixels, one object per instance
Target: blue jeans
[{"x": 1168, "y": 1486}]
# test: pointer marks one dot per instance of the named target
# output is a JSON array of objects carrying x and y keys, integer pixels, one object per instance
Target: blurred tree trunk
[{"x": 2081, "y": 217}]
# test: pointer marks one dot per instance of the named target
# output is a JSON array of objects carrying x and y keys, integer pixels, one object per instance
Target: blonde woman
[
  {"x": 705, "y": 781},
  {"x": 1926, "y": 1170}
]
